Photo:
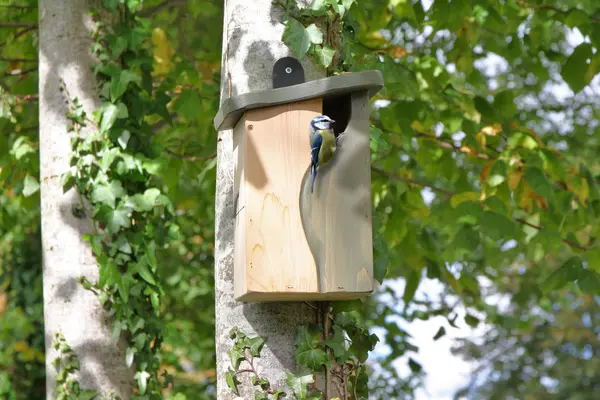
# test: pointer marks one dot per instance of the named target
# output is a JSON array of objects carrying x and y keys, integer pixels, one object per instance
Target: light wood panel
[{"x": 275, "y": 260}]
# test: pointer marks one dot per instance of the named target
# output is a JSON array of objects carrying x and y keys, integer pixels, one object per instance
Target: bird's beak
[{"x": 333, "y": 121}]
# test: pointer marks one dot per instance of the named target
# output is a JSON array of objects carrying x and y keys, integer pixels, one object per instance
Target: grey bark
[
  {"x": 64, "y": 54},
  {"x": 251, "y": 45}
]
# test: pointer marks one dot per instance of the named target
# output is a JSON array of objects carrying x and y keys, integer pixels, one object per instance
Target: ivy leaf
[
  {"x": 108, "y": 193},
  {"x": 299, "y": 383},
  {"x": 142, "y": 380},
  {"x": 260, "y": 395},
  {"x": 313, "y": 358},
  {"x": 188, "y": 105},
  {"x": 231, "y": 380},
  {"x": 440, "y": 333},
  {"x": 141, "y": 267},
  {"x": 87, "y": 394},
  {"x": 236, "y": 355},
  {"x": 119, "y": 83},
  {"x": 324, "y": 55},
  {"x": 278, "y": 394},
  {"x": 117, "y": 219},
  {"x": 298, "y": 38},
  {"x": 129, "y": 356},
  {"x": 336, "y": 343},
  {"x": 109, "y": 273},
  {"x": 30, "y": 186},
  {"x": 109, "y": 116},
  {"x": 307, "y": 336},
  {"x": 539, "y": 183},
  {"x": 124, "y": 139},
  {"x": 255, "y": 345},
  {"x": 110, "y": 5}
]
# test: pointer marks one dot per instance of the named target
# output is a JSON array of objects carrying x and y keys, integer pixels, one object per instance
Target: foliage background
[{"x": 510, "y": 168}]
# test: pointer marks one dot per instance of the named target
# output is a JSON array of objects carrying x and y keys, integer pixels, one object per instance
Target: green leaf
[
  {"x": 567, "y": 272},
  {"x": 231, "y": 380},
  {"x": 109, "y": 116},
  {"x": 579, "y": 69},
  {"x": 260, "y": 395},
  {"x": 497, "y": 173},
  {"x": 117, "y": 219},
  {"x": 589, "y": 282},
  {"x": 539, "y": 183},
  {"x": 108, "y": 193},
  {"x": 314, "y": 34},
  {"x": 277, "y": 394},
  {"x": 124, "y": 139},
  {"x": 30, "y": 186},
  {"x": 324, "y": 55},
  {"x": 119, "y": 83},
  {"x": 412, "y": 283},
  {"x": 109, "y": 273},
  {"x": 255, "y": 345},
  {"x": 298, "y": 38},
  {"x": 440, "y": 333},
  {"x": 336, "y": 343},
  {"x": 299, "y": 383},
  {"x": 471, "y": 320},
  {"x": 188, "y": 105},
  {"x": 496, "y": 225},
  {"x": 313, "y": 358},
  {"x": 236, "y": 356},
  {"x": 142, "y": 380},
  {"x": 141, "y": 267},
  {"x": 414, "y": 366}
]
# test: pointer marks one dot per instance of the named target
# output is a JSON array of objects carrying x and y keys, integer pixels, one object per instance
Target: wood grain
[{"x": 275, "y": 260}]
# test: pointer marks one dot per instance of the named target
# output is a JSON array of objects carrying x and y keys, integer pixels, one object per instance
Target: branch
[
  {"x": 539, "y": 228},
  {"x": 17, "y": 25},
  {"x": 449, "y": 145},
  {"x": 390, "y": 175},
  {"x": 450, "y": 194},
  {"x": 547, "y": 7},
  {"x": 19, "y": 7},
  {"x": 19, "y": 59},
  {"x": 156, "y": 9},
  {"x": 191, "y": 158},
  {"x": 19, "y": 72}
]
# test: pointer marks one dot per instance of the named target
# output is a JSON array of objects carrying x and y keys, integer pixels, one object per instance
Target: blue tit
[{"x": 323, "y": 144}]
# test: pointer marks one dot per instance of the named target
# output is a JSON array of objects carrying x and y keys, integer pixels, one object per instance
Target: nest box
[{"x": 291, "y": 244}]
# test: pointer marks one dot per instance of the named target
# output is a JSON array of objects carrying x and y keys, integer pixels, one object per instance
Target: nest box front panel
[
  {"x": 291, "y": 243},
  {"x": 272, "y": 253}
]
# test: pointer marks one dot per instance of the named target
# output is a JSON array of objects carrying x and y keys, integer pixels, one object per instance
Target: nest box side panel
[
  {"x": 277, "y": 260},
  {"x": 337, "y": 216},
  {"x": 239, "y": 281}
]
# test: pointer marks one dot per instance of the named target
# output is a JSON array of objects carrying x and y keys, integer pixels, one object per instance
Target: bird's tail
[{"x": 314, "y": 176}]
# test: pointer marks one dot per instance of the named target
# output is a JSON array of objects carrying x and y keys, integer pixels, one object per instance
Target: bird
[{"x": 323, "y": 144}]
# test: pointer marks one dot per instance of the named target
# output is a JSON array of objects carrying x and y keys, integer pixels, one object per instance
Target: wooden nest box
[{"x": 291, "y": 244}]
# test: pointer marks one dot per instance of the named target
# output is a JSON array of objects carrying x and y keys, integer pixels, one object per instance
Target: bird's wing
[{"x": 315, "y": 145}]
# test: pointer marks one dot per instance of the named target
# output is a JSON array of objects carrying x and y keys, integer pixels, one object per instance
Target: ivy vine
[
  {"x": 113, "y": 166},
  {"x": 340, "y": 346},
  {"x": 325, "y": 31}
]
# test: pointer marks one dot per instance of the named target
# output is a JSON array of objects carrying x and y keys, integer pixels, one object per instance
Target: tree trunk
[
  {"x": 251, "y": 46},
  {"x": 65, "y": 43}
]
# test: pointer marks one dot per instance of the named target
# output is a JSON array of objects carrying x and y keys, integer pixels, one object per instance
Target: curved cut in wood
[
  {"x": 291, "y": 244},
  {"x": 337, "y": 216}
]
